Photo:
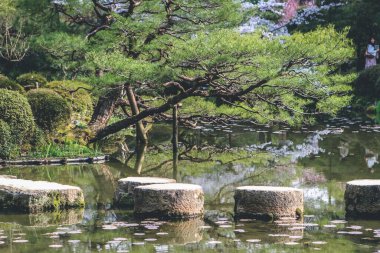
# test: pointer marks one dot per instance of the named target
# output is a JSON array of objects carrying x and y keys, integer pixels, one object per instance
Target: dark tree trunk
[
  {"x": 175, "y": 142},
  {"x": 140, "y": 130},
  {"x": 105, "y": 108},
  {"x": 140, "y": 156}
]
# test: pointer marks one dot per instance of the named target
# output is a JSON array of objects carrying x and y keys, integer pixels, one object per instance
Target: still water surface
[{"x": 319, "y": 161}]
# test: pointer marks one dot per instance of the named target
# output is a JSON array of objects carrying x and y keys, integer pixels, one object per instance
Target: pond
[{"x": 318, "y": 160}]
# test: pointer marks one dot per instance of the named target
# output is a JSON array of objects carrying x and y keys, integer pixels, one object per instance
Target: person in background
[{"x": 371, "y": 54}]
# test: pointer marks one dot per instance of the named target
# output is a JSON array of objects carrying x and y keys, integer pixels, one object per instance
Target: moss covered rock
[
  {"x": 77, "y": 95},
  {"x": 49, "y": 109},
  {"x": 17, "y": 113},
  {"x": 8, "y": 84},
  {"x": 31, "y": 80}
]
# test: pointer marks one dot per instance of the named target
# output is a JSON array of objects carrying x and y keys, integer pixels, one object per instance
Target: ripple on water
[
  {"x": 253, "y": 240},
  {"x": 329, "y": 226},
  {"x": 338, "y": 221},
  {"x": 355, "y": 233},
  {"x": 150, "y": 239},
  {"x": 73, "y": 241},
  {"x": 291, "y": 243},
  {"x": 319, "y": 242},
  {"x": 55, "y": 246},
  {"x": 120, "y": 239},
  {"x": 109, "y": 227},
  {"x": 213, "y": 242},
  {"x": 74, "y": 232},
  {"x": 20, "y": 241}
]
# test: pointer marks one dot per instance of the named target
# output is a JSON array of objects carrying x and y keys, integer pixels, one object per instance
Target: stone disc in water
[
  {"x": 319, "y": 242},
  {"x": 253, "y": 240},
  {"x": 20, "y": 241},
  {"x": 55, "y": 246}
]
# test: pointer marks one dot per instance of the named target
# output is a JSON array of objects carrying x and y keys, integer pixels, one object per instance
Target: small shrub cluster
[
  {"x": 368, "y": 83},
  {"x": 16, "y": 122},
  {"x": 17, "y": 113},
  {"x": 50, "y": 110},
  {"x": 77, "y": 95},
  {"x": 8, "y": 84},
  {"x": 31, "y": 80},
  {"x": 30, "y": 121}
]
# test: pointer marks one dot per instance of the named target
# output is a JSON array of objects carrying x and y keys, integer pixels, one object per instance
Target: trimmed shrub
[
  {"x": 31, "y": 80},
  {"x": 368, "y": 83},
  {"x": 8, "y": 84},
  {"x": 49, "y": 109},
  {"x": 16, "y": 112},
  {"x": 77, "y": 95},
  {"x": 39, "y": 139},
  {"x": 6, "y": 144}
]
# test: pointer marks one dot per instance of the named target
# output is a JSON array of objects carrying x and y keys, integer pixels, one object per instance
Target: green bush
[
  {"x": 31, "y": 80},
  {"x": 77, "y": 95},
  {"x": 368, "y": 83},
  {"x": 8, "y": 84},
  {"x": 39, "y": 139},
  {"x": 6, "y": 144},
  {"x": 49, "y": 109},
  {"x": 16, "y": 112}
]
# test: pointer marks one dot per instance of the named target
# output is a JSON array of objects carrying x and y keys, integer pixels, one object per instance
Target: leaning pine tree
[{"x": 152, "y": 55}]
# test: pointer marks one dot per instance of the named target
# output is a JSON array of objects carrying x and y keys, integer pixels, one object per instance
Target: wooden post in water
[{"x": 175, "y": 142}]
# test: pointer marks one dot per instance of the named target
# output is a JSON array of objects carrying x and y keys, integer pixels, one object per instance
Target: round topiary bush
[
  {"x": 31, "y": 80},
  {"x": 49, "y": 109},
  {"x": 16, "y": 112},
  {"x": 368, "y": 83},
  {"x": 8, "y": 84},
  {"x": 6, "y": 144},
  {"x": 77, "y": 95}
]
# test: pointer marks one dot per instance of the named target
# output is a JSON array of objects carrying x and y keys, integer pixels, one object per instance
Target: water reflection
[
  {"x": 319, "y": 162},
  {"x": 62, "y": 217}
]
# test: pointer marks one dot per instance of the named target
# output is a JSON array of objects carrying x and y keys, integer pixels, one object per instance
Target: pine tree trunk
[
  {"x": 141, "y": 135},
  {"x": 104, "y": 109},
  {"x": 175, "y": 142}
]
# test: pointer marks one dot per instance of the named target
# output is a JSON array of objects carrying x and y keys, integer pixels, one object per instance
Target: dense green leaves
[
  {"x": 50, "y": 110},
  {"x": 170, "y": 51},
  {"x": 16, "y": 112}
]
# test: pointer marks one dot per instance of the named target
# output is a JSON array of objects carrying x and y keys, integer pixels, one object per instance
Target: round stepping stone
[
  {"x": 125, "y": 187},
  {"x": 268, "y": 202},
  {"x": 36, "y": 196},
  {"x": 169, "y": 200},
  {"x": 362, "y": 198}
]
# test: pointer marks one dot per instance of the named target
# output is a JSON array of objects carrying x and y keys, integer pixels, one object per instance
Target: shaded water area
[{"x": 319, "y": 161}]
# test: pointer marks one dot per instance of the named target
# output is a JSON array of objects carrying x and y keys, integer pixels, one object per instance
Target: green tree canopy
[{"x": 170, "y": 51}]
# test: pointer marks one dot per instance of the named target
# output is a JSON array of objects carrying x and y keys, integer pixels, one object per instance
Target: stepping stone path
[
  {"x": 125, "y": 187},
  {"x": 362, "y": 198},
  {"x": 268, "y": 202},
  {"x": 34, "y": 196},
  {"x": 169, "y": 200}
]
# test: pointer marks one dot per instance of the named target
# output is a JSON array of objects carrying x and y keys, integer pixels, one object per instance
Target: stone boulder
[
  {"x": 169, "y": 200},
  {"x": 125, "y": 186},
  {"x": 268, "y": 202},
  {"x": 34, "y": 196},
  {"x": 362, "y": 199}
]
